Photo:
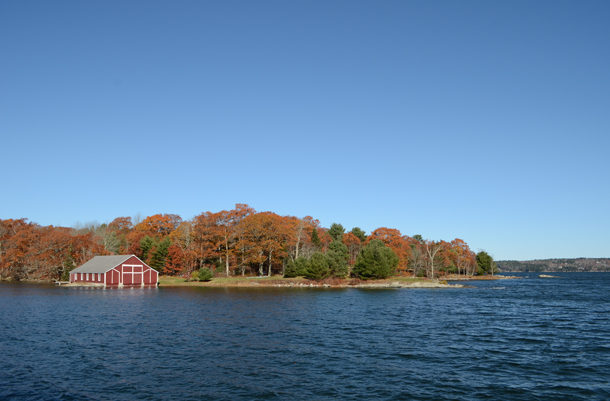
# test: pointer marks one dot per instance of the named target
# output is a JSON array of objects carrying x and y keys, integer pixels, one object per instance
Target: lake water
[{"x": 529, "y": 339}]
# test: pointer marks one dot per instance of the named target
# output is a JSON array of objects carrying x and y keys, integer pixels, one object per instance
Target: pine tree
[
  {"x": 318, "y": 267},
  {"x": 337, "y": 256},
  {"x": 376, "y": 261},
  {"x": 336, "y": 232},
  {"x": 315, "y": 239}
]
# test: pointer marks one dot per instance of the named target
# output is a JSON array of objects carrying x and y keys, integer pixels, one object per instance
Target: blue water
[{"x": 529, "y": 339}]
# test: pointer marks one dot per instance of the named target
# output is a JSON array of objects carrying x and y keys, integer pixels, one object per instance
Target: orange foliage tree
[
  {"x": 31, "y": 252},
  {"x": 298, "y": 242},
  {"x": 263, "y": 238},
  {"x": 354, "y": 245}
]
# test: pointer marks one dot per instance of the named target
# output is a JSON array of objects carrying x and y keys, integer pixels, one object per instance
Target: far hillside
[{"x": 556, "y": 265}]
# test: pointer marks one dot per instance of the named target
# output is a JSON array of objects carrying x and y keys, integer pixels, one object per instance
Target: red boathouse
[{"x": 116, "y": 271}]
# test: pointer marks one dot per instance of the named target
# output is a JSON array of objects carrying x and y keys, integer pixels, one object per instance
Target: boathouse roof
[{"x": 101, "y": 264}]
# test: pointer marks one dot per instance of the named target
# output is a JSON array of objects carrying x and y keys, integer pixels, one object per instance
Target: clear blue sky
[{"x": 483, "y": 120}]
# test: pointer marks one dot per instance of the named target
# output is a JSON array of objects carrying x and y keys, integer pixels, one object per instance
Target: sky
[{"x": 484, "y": 121}]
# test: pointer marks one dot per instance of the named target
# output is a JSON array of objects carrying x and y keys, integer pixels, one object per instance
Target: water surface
[{"x": 529, "y": 339}]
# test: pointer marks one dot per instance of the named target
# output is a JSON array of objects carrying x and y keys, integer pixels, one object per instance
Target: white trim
[{"x": 118, "y": 272}]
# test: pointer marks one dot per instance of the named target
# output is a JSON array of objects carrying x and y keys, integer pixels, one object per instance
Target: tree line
[{"x": 240, "y": 241}]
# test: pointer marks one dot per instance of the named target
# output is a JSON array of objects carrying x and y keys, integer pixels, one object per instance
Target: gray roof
[{"x": 101, "y": 264}]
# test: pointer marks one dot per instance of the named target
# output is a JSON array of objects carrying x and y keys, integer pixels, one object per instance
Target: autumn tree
[
  {"x": 461, "y": 251},
  {"x": 264, "y": 235},
  {"x": 325, "y": 239},
  {"x": 431, "y": 248},
  {"x": 10, "y": 254},
  {"x": 416, "y": 259},
  {"x": 225, "y": 230},
  {"x": 205, "y": 240},
  {"x": 299, "y": 241},
  {"x": 181, "y": 252},
  {"x": 353, "y": 244},
  {"x": 29, "y": 251},
  {"x": 446, "y": 258},
  {"x": 159, "y": 225}
]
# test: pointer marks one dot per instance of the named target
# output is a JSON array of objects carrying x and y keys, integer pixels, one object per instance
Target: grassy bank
[{"x": 279, "y": 281}]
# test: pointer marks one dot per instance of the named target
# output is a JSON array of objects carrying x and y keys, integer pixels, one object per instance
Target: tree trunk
[
  {"x": 269, "y": 273},
  {"x": 227, "y": 258},
  {"x": 260, "y": 266}
]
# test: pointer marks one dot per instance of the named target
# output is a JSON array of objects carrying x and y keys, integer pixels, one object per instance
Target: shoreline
[{"x": 300, "y": 282}]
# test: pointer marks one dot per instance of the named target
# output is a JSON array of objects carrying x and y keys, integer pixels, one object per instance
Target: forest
[
  {"x": 232, "y": 242},
  {"x": 556, "y": 265}
]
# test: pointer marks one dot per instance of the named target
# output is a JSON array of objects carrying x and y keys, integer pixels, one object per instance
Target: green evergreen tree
[
  {"x": 297, "y": 267},
  {"x": 318, "y": 267},
  {"x": 155, "y": 253},
  {"x": 68, "y": 266},
  {"x": 486, "y": 263},
  {"x": 336, "y": 232},
  {"x": 315, "y": 239},
  {"x": 291, "y": 270},
  {"x": 375, "y": 261},
  {"x": 418, "y": 238},
  {"x": 146, "y": 244},
  {"x": 337, "y": 256},
  {"x": 205, "y": 274},
  {"x": 358, "y": 232}
]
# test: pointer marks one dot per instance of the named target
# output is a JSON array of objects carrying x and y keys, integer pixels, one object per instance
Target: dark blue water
[{"x": 530, "y": 339}]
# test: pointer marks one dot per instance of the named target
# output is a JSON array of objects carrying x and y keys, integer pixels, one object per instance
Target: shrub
[
  {"x": 318, "y": 267},
  {"x": 205, "y": 274},
  {"x": 297, "y": 267},
  {"x": 193, "y": 277}
]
